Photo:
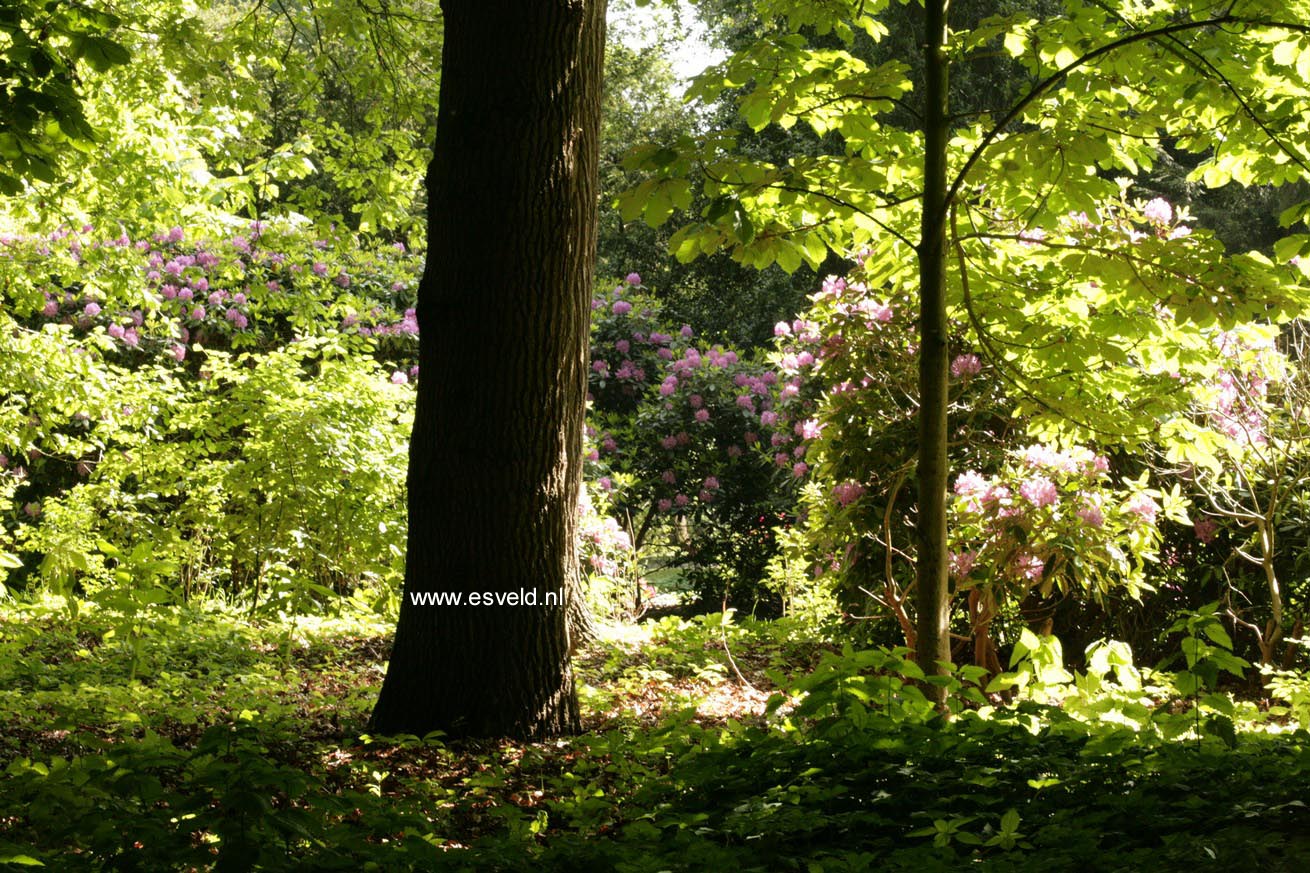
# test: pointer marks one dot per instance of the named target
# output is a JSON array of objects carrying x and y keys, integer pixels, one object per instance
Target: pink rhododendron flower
[
  {"x": 846, "y": 493},
  {"x": 665, "y": 504},
  {"x": 782, "y": 328},
  {"x": 1091, "y": 515},
  {"x": 961, "y": 563},
  {"x": 633, "y": 279},
  {"x": 966, "y": 365},
  {"x": 799, "y": 469},
  {"x": 1143, "y": 507},
  {"x": 712, "y": 483},
  {"x": 621, "y": 307},
  {"x": 1031, "y": 236},
  {"x": 1028, "y": 566},
  {"x": 702, "y": 415},
  {"x": 970, "y": 483},
  {"x": 1158, "y": 211},
  {"x": 878, "y": 313},
  {"x": 1205, "y": 529},
  {"x": 399, "y": 378},
  {"x": 1039, "y": 491}
]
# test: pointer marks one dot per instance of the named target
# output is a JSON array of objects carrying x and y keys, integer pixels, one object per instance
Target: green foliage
[
  {"x": 48, "y": 47},
  {"x": 238, "y": 745},
  {"x": 1051, "y": 259},
  {"x": 321, "y": 111},
  {"x": 235, "y": 445}
]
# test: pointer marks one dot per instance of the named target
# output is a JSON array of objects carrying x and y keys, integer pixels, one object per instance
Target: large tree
[{"x": 504, "y": 305}]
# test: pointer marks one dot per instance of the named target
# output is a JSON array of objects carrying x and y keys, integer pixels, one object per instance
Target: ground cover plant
[{"x": 234, "y": 744}]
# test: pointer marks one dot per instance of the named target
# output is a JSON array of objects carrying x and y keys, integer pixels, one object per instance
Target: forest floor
[{"x": 198, "y": 739}]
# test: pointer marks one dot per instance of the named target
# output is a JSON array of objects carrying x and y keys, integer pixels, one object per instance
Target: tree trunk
[
  {"x": 932, "y": 594},
  {"x": 495, "y": 458}
]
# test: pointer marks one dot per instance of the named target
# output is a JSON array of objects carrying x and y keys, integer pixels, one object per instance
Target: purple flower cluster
[{"x": 243, "y": 290}]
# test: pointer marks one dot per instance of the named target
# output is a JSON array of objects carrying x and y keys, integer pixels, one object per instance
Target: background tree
[
  {"x": 961, "y": 211},
  {"x": 495, "y": 458},
  {"x": 48, "y": 47}
]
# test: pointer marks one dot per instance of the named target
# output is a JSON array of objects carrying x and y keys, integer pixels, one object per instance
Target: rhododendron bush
[
  {"x": 229, "y": 398},
  {"x": 687, "y": 437},
  {"x": 1247, "y": 473},
  {"x": 1028, "y": 521}
]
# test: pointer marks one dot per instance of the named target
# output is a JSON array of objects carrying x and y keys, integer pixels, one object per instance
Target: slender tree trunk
[
  {"x": 495, "y": 457},
  {"x": 1273, "y": 634},
  {"x": 932, "y": 595}
]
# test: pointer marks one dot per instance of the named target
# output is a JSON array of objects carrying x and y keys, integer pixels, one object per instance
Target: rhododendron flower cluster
[
  {"x": 1236, "y": 402},
  {"x": 693, "y": 426},
  {"x": 1050, "y": 517},
  {"x": 248, "y": 289}
]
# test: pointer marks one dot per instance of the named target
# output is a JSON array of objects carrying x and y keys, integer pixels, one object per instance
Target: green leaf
[
  {"x": 99, "y": 52},
  {"x": 1285, "y": 53},
  {"x": 1221, "y": 726}
]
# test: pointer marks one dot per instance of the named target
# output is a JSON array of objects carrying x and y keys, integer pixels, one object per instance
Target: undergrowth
[{"x": 225, "y": 744}]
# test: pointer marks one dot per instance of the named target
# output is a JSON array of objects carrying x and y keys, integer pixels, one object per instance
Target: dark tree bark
[
  {"x": 495, "y": 458},
  {"x": 932, "y": 598}
]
